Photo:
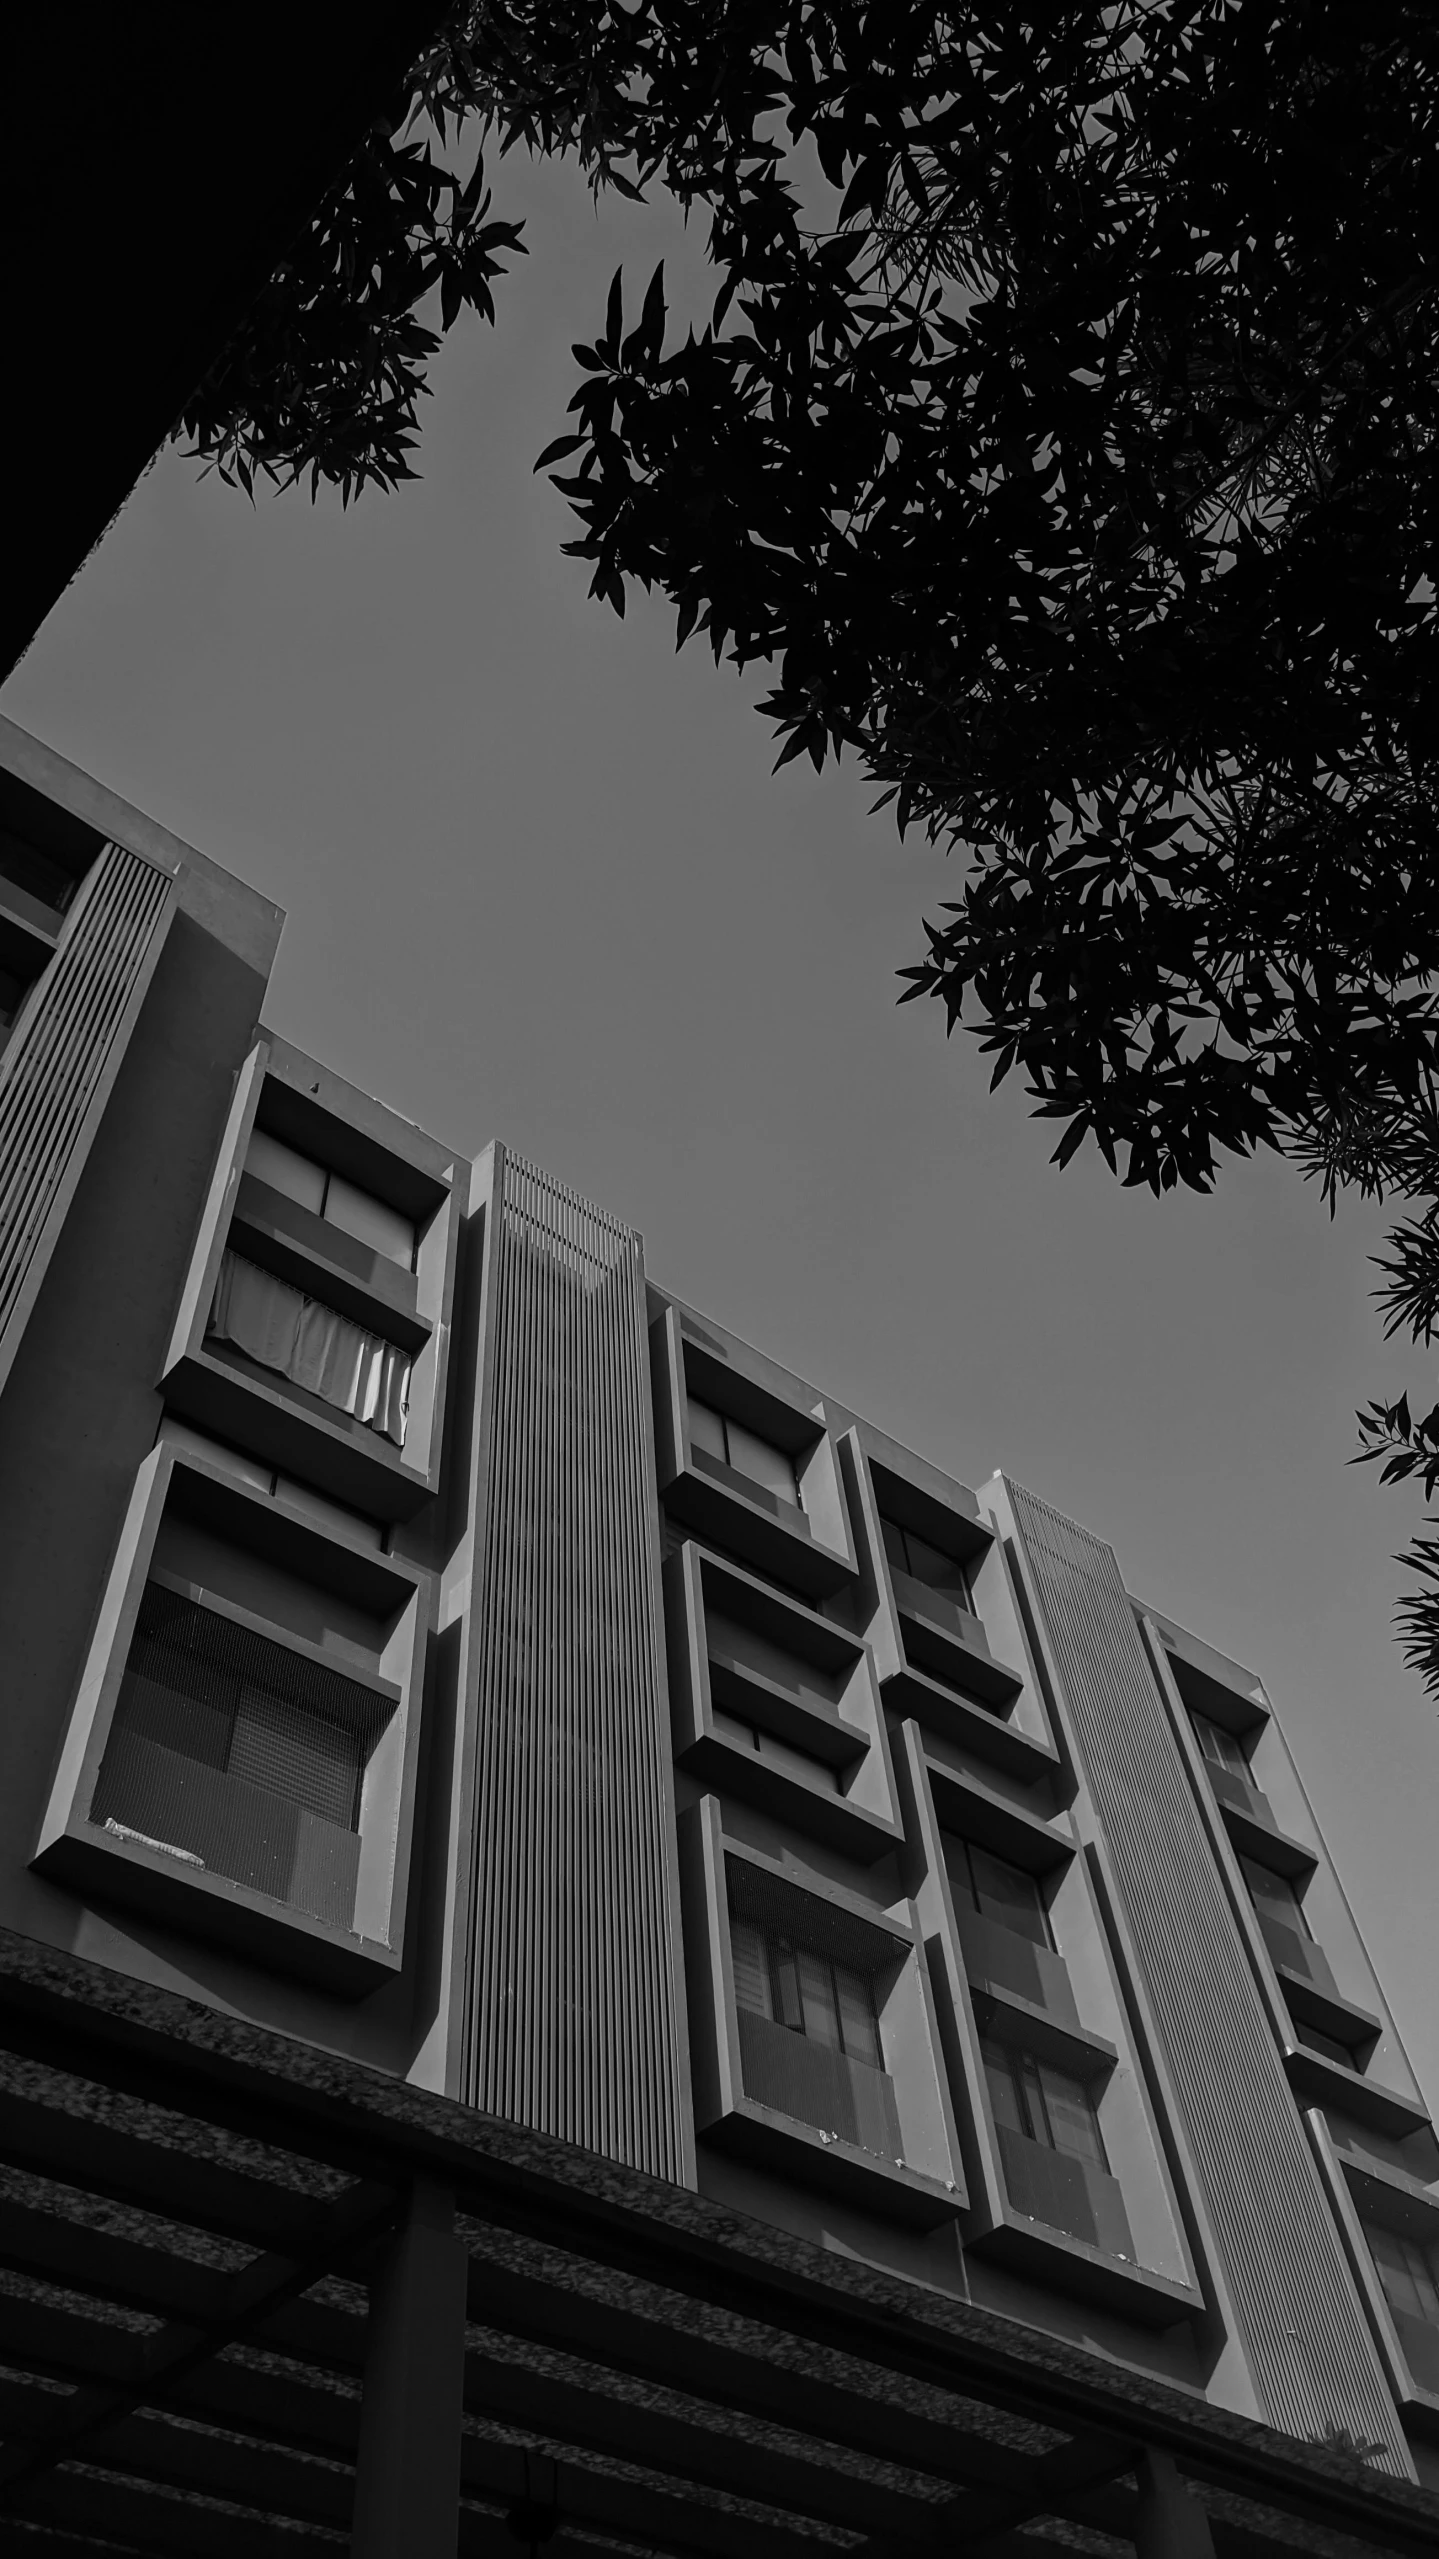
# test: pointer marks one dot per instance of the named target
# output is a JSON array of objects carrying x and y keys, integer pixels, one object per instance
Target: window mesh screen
[{"x": 238, "y": 1755}]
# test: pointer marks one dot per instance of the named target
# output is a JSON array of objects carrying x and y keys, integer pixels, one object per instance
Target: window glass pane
[
  {"x": 896, "y": 1545},
  {"x": 1220, "y": 1747},
  {"x": 751, "y": 1969},
  {"x": 1421, "y": 2263},
  {"x": 763, "y": 1464},
  {"x": 858, "y": 2024},
  {"x": 284, "y": 1170},
  {"x": 961, "y": 1871},
  {"x": 1073, "y": 2123},
  {"x": 360, "y": 1214},
  {"x": 942, "y": 1572},
  {"x": 13, "y": 991},
  {"x": 786, "y": 1983},
  {"x": 817, "y": 2000},
  {"x": 1269, "y": 1892},
  {"x": 707, "y": 1430},
  {"x": 1003, "y": 2095},
  {"x": 1394, "y": 2260},
  {"x": 1274, "y": 1895},
  {"x": 1005, "y": 1894},
  {"x": 1031, "y": 2098}
]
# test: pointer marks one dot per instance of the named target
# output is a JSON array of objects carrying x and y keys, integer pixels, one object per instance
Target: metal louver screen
[
  {"x": 54, "y": 1067},
  {"x": 574, "y": 1998},
  {"x": 237, "y": 1755},
  {"x": 1310, "y": 2350}
]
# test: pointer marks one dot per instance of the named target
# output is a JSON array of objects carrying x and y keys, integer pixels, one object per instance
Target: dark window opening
[
  {"x": 1222, "y": 1749},
  {"x": 27, "y": 866},
  {"x": 811, "y": 1994},
  {"x": 328, "y": 1195},
  {"x": 807, "y": 1977},
  {"x": 1275, "y": 1898},
  {"x": 233, "y": 1753},
  {"x": 745, "y": 1451},
  {"x": 1005, "y": 1894},
  {"x": 1044, "y": 2104},
  {"x": 1328, "y": 2047},
  {"x": 13, "y": 991},
  {"x": 1408, "y": 2273},
  {"x": 279, "y": 1327},
  {"x": 910, "y": 1553}
]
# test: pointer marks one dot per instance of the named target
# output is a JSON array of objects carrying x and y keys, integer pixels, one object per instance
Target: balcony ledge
[
  {"x": 1329, "y": 2010},
  {"x": 311, "y": 1254},
  {"x": 724, "y": 1507},
  {"x": 1252, "y": 1827},
  {"x": 1014, "y": 2019},
  {"x": 888, "y": 2189},
  {"x": 971, "y": 1726},
  {"x": 1064, "y": 2264},
  {"x": 1318, "y": 2081},
  {"x": 799, "y": 1802},
  {"x": 742, "y": 1690},
  {"x": 947, "y": 1643},
  {"x": 261, "y": 1413}
]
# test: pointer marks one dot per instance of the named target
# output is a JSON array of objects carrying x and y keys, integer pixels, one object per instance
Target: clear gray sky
[{"x": 541, "y": 885}]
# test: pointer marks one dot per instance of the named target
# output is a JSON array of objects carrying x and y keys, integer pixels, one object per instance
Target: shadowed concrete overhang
[
  {"x": 191, "y": 2214},
  {"x": 156, "y": 163}
]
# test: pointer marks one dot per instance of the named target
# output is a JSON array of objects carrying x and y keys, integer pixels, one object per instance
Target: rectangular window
[
  {"x": 797, "y": 1986},
  {"x": 42, "y": 875},
  {"x": 360, "y": 1214},
  {"x": 745, "y": 1451},
  {"x": 13, "y": 991},
  {"x": 806, "y": 1977},
  {"x": 910, "y": 1553},
  {"x": 329, "y": 1195},
  {"x": 1406, "y": 2272},
  {"x": 344, "y": 1364},
  {"x": 1222, "y": 1749},
  {"x": 1045, "y": 2104},
  {"x": 233, "y": 1753},
  {"x": 1274, "y": 1897},
  {"x": 997, "y": 1890}
]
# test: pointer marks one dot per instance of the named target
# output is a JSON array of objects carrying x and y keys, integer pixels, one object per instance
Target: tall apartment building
[{"x": 591, "y": 1951}]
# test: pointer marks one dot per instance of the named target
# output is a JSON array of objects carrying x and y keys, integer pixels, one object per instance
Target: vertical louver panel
[
  {"x": 1309, "y": 2348},
  {"x": 56, "y": 1066},
  {"x": 574, "y": 1997}
]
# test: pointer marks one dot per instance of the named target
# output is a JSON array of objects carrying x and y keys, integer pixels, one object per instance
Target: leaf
[{"x": 556, "y": 452}]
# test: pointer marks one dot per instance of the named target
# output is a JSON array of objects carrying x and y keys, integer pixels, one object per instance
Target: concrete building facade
[{"x": 477, "y": 1728}]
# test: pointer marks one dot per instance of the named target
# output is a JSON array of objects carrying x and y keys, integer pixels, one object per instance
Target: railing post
[
  {"x": 407, "y": 2481},
  {"x": 1171, "y": 2524}
]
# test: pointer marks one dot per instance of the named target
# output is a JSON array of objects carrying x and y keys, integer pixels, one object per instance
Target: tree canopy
[{"x": 1063, "y": 437}]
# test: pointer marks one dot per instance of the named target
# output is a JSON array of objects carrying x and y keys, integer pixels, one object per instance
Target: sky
[{"x": 542, "y": 885}]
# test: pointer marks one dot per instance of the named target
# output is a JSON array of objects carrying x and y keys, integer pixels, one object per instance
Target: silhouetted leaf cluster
[
  {"x": 325, "y": 377},
  {"x": 1081, "y": 478},
  {"x": 1064, "y": 438}
]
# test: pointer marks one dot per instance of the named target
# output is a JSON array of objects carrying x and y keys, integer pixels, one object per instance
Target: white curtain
[{"x": 356, "y": 1371}]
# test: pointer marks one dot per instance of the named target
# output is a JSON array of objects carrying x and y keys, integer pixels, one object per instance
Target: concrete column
[
  {"x": 407, "y": 2485},
  {"x": 1171, "y": 2524}
]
